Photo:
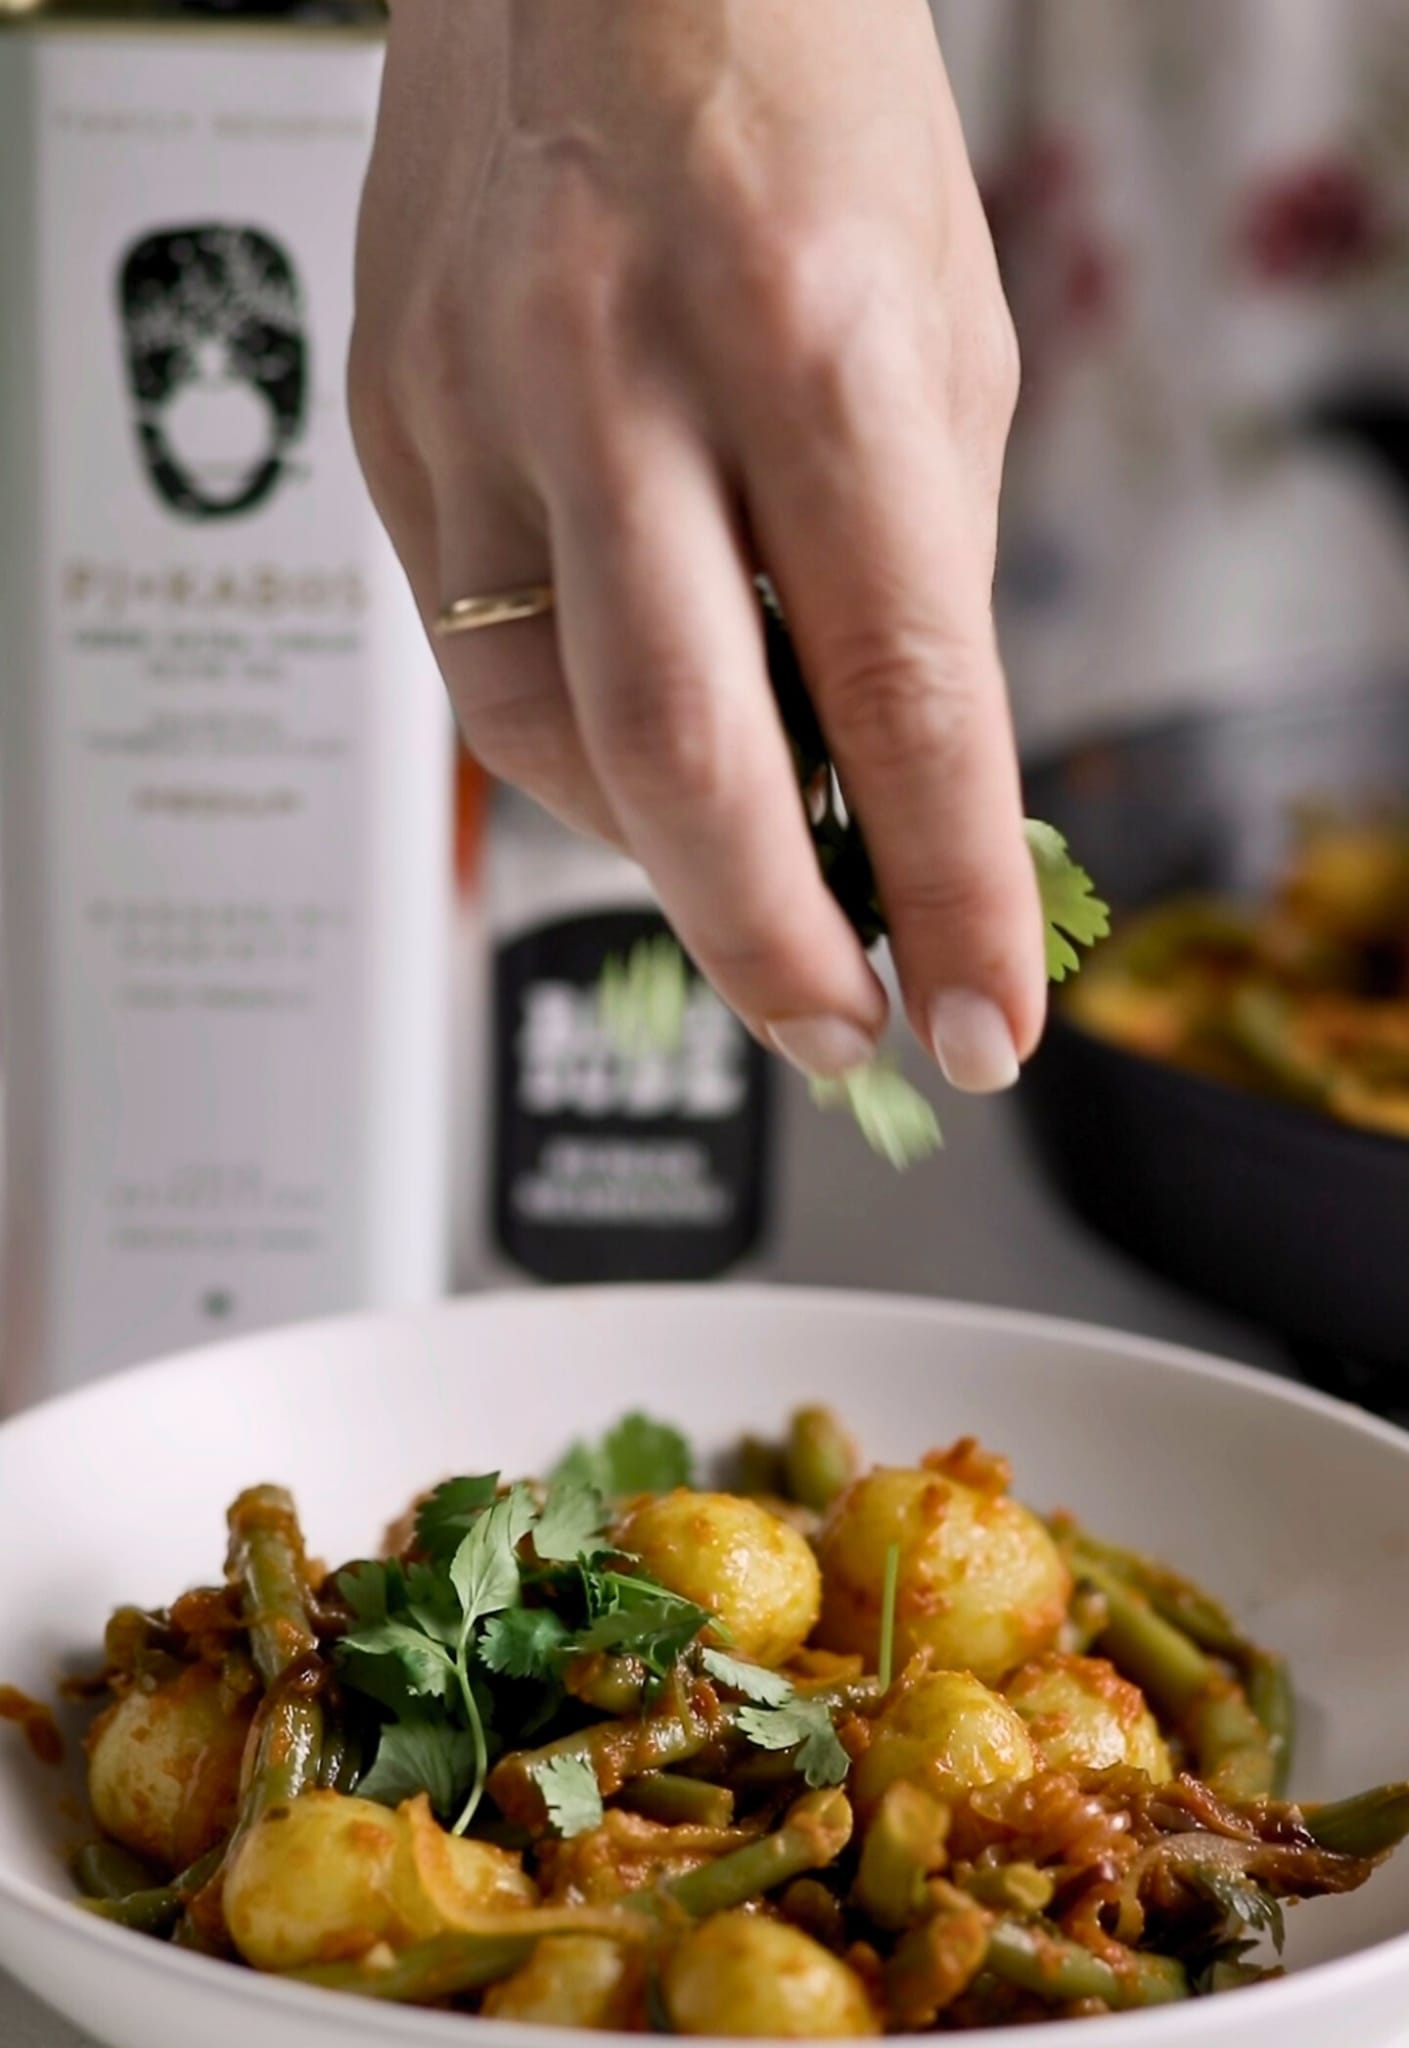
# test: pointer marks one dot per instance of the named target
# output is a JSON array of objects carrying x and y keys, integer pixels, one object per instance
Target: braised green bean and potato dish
[
  {"x": 817, "y": 1749},
  {"x": 1303, "y": 997}
]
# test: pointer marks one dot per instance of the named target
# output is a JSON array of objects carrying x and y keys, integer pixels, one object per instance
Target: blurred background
[{"x": 297, "y": 1017}]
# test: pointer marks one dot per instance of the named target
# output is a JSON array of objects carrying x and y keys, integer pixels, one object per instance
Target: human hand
[{"x": 656, "y": 294}]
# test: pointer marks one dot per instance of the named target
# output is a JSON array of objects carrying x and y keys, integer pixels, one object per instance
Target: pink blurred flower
[{"x": 1317, "y": 224}]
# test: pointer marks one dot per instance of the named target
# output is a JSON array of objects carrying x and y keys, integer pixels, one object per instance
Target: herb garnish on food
[{"x": 507, "y": 1590}]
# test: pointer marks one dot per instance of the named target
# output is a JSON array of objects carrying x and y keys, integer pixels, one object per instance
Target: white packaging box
[{"x": 224, "y": 749}]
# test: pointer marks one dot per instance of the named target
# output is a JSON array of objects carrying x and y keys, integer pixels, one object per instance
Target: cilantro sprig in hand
[{"x": 643, "y": 998}]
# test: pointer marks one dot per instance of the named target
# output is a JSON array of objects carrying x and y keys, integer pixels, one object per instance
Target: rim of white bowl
[{"x": 1321, "y": 1984}]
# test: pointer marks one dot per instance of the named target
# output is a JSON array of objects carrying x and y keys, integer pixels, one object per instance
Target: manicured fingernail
[
  {"x": 972, "y": 1042},
  {"x": 825, "y": 1047}
]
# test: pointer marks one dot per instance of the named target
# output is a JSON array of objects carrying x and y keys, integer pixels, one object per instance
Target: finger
[
  {"x": 505, "y": 682},
  {"x": 460, "y": 529},
  {"x": 883, "y": 557},
  {"x": 664, "y": 655}
]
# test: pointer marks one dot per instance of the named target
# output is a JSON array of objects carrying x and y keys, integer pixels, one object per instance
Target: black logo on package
[
  {"x": 611, "y": 1167},
  {"x": 217, "y": 362}
]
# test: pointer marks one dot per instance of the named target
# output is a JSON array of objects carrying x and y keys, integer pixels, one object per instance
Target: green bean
[
  {"x": 1177, "y": 1598},
  {"x": 267, "y": 1559},
  {"x": 613, "y": 1685},
  {"x": 156, "y": 1910},
  {"x": 1270, "y": 1695},
  {"x": 102, "y": 1870},
  {"x": 672, "y": 1734},
  {"x": 934, "y": 1964},
  {"x": 1198, "y": 1615},
  {"x": 615, "y": 1751},
  {"x": 340, "y": 1762},
  {"x": 1040, "y": 1961},
  {"x": 844, "y": 1695},
  {"x": 814, "y": 1833},
  {"x": 1012, "y": 1887},
  {"x": 1368, "y": 1825},
  {"x": 904, "y": 1846},
  {"x": 760, "y": 1471},
  {"x": 284, "y": 1752},
  {"x": 1232, "y": 1750},
  {"x": 676, "y": 1801},
  {"x": 809, "y": 1904},
  {"x": 137, "y": 1643},
  {"x": 1086, "y": 1620},
  {"x": 428, "y": 1974},
  {"x": 819, "y": 1459},
  {"x": 152, "y": 1912}
]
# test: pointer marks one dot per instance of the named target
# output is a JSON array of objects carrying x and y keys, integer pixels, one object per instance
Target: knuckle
[
  {"x": 907, "y": 704},
  {"x": 520, "y": 736},
  {"x": 664, "y": 740},
  {"x": 418, "y": 361},
  {"x": 802, "y": 292},
  {"x": 370, "y": 406},
  {"x": 382, "y": 442},
  {"x": 564, "y": 312},
  {"x": 988, "y": 373},
  {"x": 953, "y": 897}
]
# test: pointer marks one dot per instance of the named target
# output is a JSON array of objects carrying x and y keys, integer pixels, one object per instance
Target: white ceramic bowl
[{"x": 1294, "y": 1508}]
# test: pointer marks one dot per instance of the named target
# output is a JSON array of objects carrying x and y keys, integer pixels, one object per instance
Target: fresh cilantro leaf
[
  {"x": 524, "y": 1643},
  {"x": 421, "y": 1756},
  {"x": 390, "y": 1660},
  {"x": 572, "y": 1524},
  {"x": 638, "y": 1456},
  {"x": 894, "y": 1118},
  {"x": 1071, "y": 910},
  {"x": 1247, "y": 1903},
  {"x": 767, "y": 1688},
  {"x": 431, "y": 1602},
  {"x": 367, "y": 1589},
  {"x": 643, "y": 999},
  {"x": 806, "y": 1726},
  {"x": 445, "y": 1517},
  {"x": 485, "y": 1569},
  {"x": 570, "y": 1793},
  {"x": 648, "y": 1457},
  {"x": 658, "y": 1631}
]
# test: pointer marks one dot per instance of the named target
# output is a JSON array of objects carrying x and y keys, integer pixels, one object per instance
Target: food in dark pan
[
  {"x": 814, "y": 1750},
  {"x": 1303, "y": 995}
]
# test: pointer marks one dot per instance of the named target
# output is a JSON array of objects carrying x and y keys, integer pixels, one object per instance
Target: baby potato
[
  {"x": 164, "y": 1768},
  {"x": 1083, "y": 1716},
  {"x": 316, "y": 1882},
  {"x": 572, "y": 1980},
  {"x": 740, "y": 1973},
  {"x": 327, "y": 1877},
  {"x": 981, "y": 1584},
  {"x": 729, "y": 1554},
  {"x": 947, "y": 1734}
]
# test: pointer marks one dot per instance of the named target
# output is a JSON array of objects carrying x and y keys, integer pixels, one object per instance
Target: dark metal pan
[{"x": 1282, "y": 1215}]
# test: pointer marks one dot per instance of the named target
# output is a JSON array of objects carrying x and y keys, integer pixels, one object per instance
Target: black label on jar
[{"x": 614, "y": 1167}]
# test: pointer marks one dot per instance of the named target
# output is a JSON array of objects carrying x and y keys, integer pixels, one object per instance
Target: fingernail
[
  {"x": 825, "y": 1047},
  {"x": 972, "y": 1042}
]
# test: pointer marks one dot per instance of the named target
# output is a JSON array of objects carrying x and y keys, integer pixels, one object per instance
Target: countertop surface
[{"x": 975, "y": 1224}]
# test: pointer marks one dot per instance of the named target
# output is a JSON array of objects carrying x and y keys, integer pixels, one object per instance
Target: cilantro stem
[
  {"x": 886, "y": 1661},
  {"x": 472, "y": 1715}
]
